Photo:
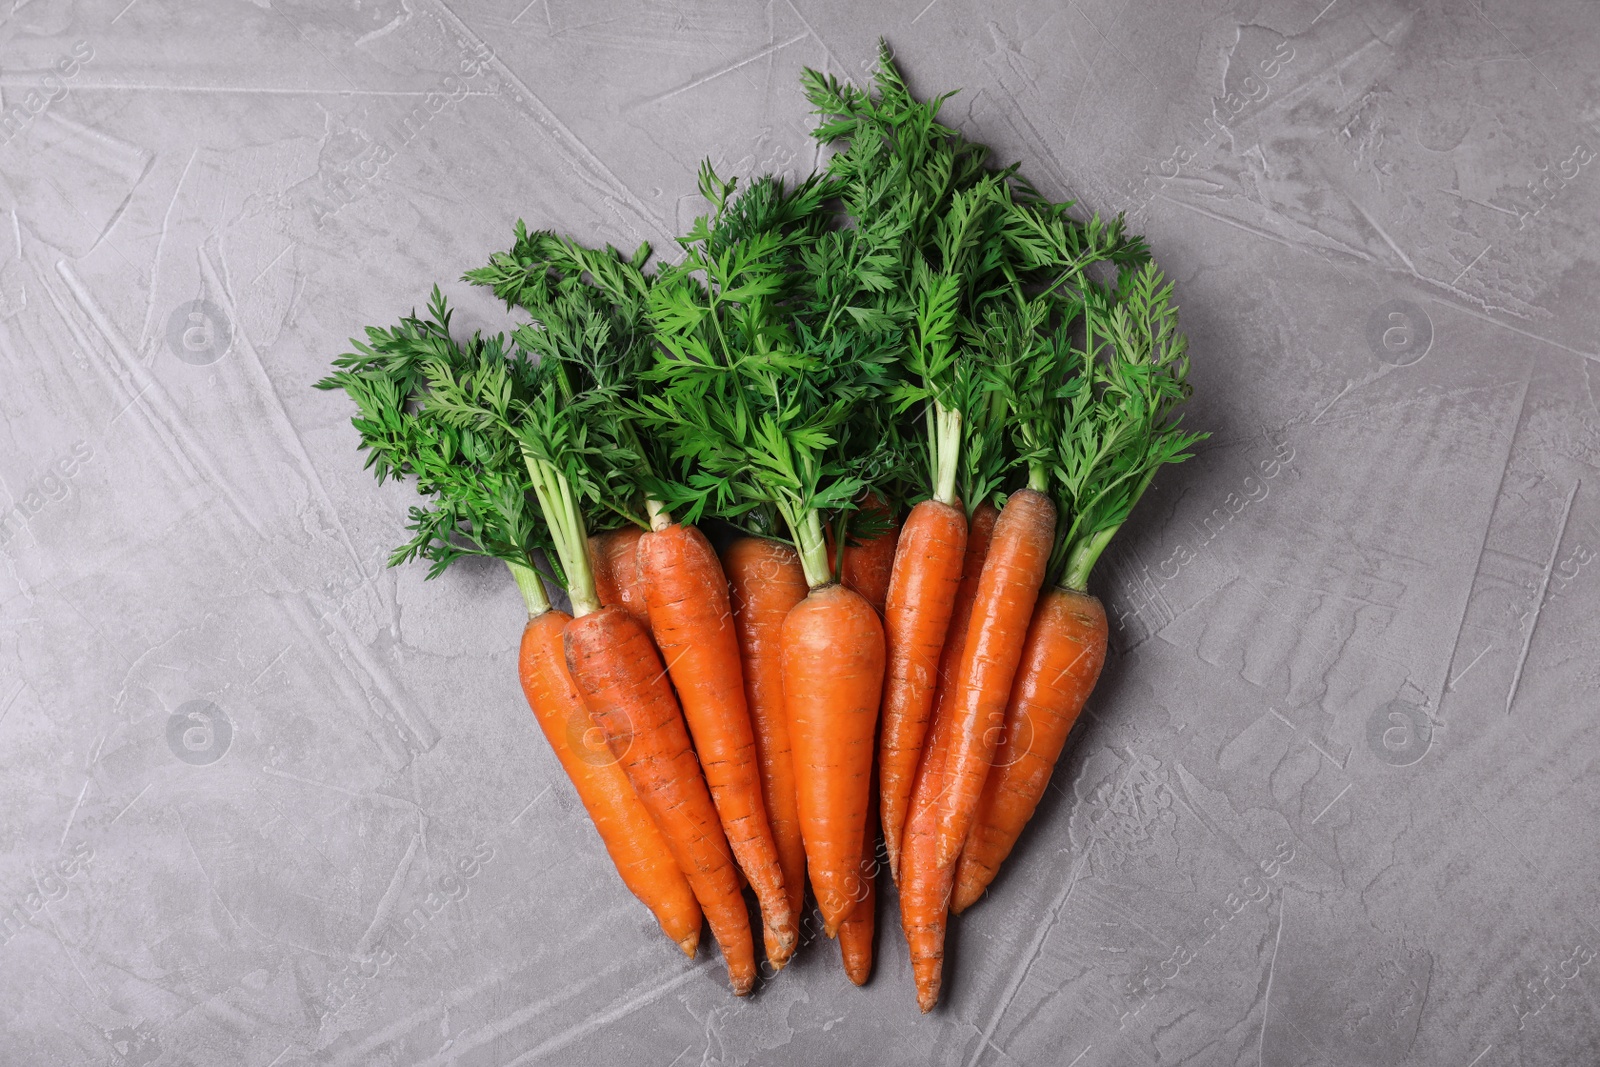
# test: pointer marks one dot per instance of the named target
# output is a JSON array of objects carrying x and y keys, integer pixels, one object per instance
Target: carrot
[
  {"x": 1007, "y": 591},
  {"x": 692, "y": 621},
  {"x": 635, "y": 843},
  {"x": 614, "y": 556},
  {"x": 624, "y": 685},
  {"x": 832, "y": 677},
  {"x": 866, "y": 567},
  {"x": 856, "y": 933},
  {"x": 427, "y": 424},
  {"x": 924, "y": 885},
  {"x": 1061, "y": 661},
  {"x": 761, "y": 392},
  {"x": 922, "y": 588},
  {"x": 765, "y": 580}
]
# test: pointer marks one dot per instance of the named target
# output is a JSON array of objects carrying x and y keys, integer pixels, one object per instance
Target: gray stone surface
[{"x": 1334, "y": 802}]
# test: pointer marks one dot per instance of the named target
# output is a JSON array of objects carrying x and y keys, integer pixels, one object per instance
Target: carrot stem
[
  {"x": 531, "y": 588},
  {"x": 811, "y": 544},
  {"x": 1082, "y": 558},
  {"x": 945, "y": 426},
  {"x": 660, "y": 517},
  {"x": 564, "y": 516}
]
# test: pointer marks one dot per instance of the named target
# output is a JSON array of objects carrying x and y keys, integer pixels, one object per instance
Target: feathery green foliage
[
  {"x": 1118, "y": 419},
  {"x": 768, "y": 351},
  {"x": 590, "y": 320},
  {"x": 473, "y": 482},
  {"x": 969, "y": 244},
  {"x": 913, "y": 320}
]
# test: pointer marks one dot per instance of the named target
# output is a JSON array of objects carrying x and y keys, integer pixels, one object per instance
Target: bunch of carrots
[{"x": 911, "y": 401}]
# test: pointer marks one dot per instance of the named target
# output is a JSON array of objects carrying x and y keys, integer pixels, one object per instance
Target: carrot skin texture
[
  {"x": 980, "y": 533},
  {"x": 613, "y": 556},
  {"x": 867, "y": 567},
  {"x": 765, "y": 580},
  {"x": 925, "y": 886},
  {"x": 1061, "y": 661},
  {"x": 857, "y": 933},
  {"x": 922, "y": 588},
  {"x": 692, "y": 622},
  {"x": 631, "y": 836},
  {"x": 1007, "y": 592},
  {"x": 624, "y": 686},
  {"x": 832, "y": 679}
]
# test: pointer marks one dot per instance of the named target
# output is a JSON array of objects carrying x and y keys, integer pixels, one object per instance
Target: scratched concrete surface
[{"x": 266, "y": 802}]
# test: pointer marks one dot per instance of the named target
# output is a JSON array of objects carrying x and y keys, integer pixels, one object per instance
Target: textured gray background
[{"x": 1334, "y": 801}]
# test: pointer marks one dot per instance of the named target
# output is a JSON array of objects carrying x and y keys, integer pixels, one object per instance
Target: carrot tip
[
  {"x": 964, "y": 899},
  {"x": 926, "y": 1001},
  {"x": 831, "y": 929},
  {"x": 690, "y": 943}
]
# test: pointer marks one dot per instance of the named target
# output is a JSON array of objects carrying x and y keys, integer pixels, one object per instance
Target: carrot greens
[
  {"x": 768, "y": 349},
  {"x": 1119, "y": 422},
  {"x": 472, "y": 481}
]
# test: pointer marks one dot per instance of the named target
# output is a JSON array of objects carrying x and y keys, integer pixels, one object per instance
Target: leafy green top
[
  {"x": 769, "y": 348},
  {"x": 473, "y": 482},
  {"x": 967, "y": 242},
  {"x": 590, "y": 311},
  {"x": 1118, "y": 412}
]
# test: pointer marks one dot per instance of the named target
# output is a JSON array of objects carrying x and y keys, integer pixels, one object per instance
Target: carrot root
[
  {"x": 624, "y": 686},
  {"x": 922, "y": 588},
  {"x": 765, "y": 580},
  {"x": 1061, "y": 661},
  {"x": 857, "y": 933},
  {"x": 925, "y": 887},
  {"x": 1007, "y": 591},
  {"x": 867, "y": 567},
  {"x": 637, "y": 847},
  {"x": 832, "y": 679},
  {"x": 692, "y": 621},
  {"x": 613, "y": 558}
]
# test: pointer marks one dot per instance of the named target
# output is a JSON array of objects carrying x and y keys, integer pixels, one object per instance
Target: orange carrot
[
  {"x": 692, "y": 621},
  {"x": 832, "y": 677},
  {"x": 624, "y": 686},
  {"x": 765, "y": 580},
  {"x": 922, "y": 587},
  {"x": 635, "y": 843},
  {"x": 1061, "y": 661},
  {"x": 614, "y": 558},
  {"x": 1007, "y": 592},
  {"x": 980, "y": 535},
  {"x": 866, "y": 567},
  {"x": 924, "y": 885},
  {"x": 856, "y": 933}
]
